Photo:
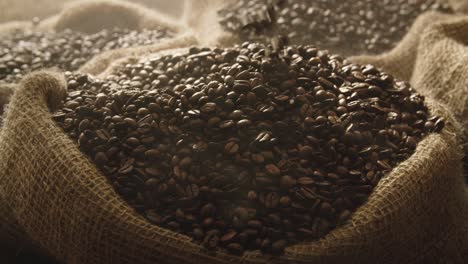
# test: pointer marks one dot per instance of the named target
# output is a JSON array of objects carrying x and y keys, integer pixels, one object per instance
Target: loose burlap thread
[{"x": 417, "y": 214}]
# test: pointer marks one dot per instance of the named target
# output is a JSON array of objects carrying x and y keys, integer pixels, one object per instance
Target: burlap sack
[
  {"x": 9, "y": 230},
  {"x": 27, "y": 9},
  {"x": 92, "y": 16},
  {"x": 417, "y": 214}
]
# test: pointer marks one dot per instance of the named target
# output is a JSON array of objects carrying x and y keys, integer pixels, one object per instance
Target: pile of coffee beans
[
  {"x": 25, "y": 51},
  {"x": 246, "y": 148},
  {"x": 346, "y": 27}
]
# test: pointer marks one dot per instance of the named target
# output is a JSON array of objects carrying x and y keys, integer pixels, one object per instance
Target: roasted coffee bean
[
  {"x": 240, "y": 174},
  {"x": 273, "y": 170},
  {"x": 231, "y": 148},
  {"x": 347, "y": 27},
  {"x": 25, "y": 51}
]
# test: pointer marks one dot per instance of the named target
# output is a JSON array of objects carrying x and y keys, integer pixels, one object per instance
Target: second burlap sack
[{"x": 416, "y": 214}]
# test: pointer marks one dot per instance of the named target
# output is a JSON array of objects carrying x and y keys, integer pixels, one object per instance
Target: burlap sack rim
[
  {"x": 446, "y": 139},
  {"x": 105, "y": 63},
  {"x": 148, "y": 17},
  {"x": 135, "y": 56},
  {"x": 53, "y": 21}
]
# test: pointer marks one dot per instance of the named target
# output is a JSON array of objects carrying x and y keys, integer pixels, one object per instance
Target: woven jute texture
[
  {"x": 417, "y": 214},
  {"x": 10, "y": 232}
]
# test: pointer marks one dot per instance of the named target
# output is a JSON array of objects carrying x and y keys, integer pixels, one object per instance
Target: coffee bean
[
  {"x": 288, "y": 181},
  {"x": 226, "y": 124},
  {"x": 271, "y": 200},
  {"x": 231, "y": 148},
  {"x": 67, "y": 49},
  {"x": 278, "y": 247},
  {"x": 208, "y": 210},
  {"x": 272, "y": 170},
  {"x": 152, "y": 154},
  {"x": 227, "y": 237},
  {"x": 245, "y": 168},
  {"x": 235, "y": 248},
  {"x": 208, "y": 108},
  {"x": 244, "y": 123},
  {"x": 349, "y": 28},
  {"x": 306, "y": 152},
  {"x": 100, "y": 158},
  {"x": 285, "y": 201},
  {"x": 305, "y": 181},
  {"x": 152, "y": 183},
  {"x": 211, "y": 239}
]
